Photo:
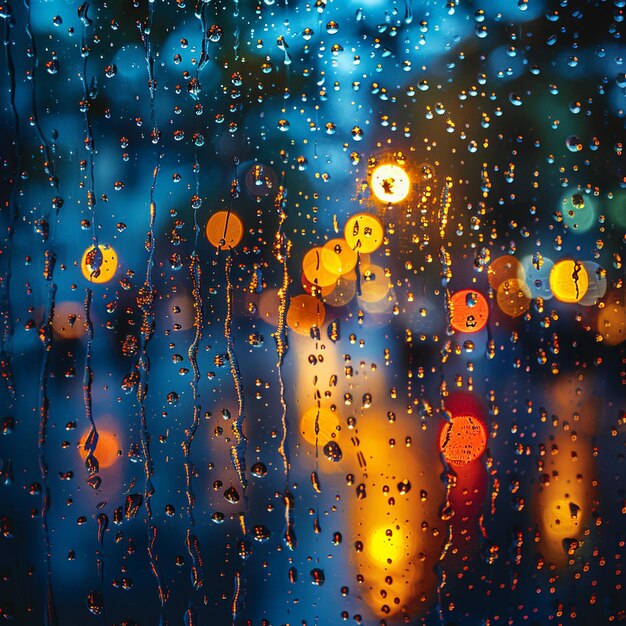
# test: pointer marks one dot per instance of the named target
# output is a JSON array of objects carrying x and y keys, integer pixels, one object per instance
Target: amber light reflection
[
  {"x": 395, "y": 531},
  {"x": 564, "y": 499},
  {"x": 108, "y": 450}
]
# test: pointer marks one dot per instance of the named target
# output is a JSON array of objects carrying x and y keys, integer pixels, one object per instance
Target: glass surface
[{"x": 312, "y": 312}]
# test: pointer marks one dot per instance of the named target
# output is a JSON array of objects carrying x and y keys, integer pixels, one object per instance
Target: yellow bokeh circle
[
  {"x": 321, "y": 266},
  {"x": 347, "y": 255},
  {"x": 364, "y": 232},
  {"x": 390, "y": 183},
  {"x": 107, "y": 266},
  {"x": 569, "y": 281}
]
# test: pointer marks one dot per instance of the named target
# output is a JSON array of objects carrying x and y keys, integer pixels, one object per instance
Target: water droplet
[{"x": 332, "y": 451}]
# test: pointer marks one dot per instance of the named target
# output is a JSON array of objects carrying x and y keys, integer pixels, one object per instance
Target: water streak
[
  {"x": 234, "y": 607},
  {"x": 6, "y": 371},
  {"x": 238, "y": 450},
  {"x": 45, "y": 334},
  {"x": 45, "y": 329},
  {"x": 448, "y": 476},
  {"x": 89, "y": 94},
  {"x": 192, "y": 543},
  {"x": 91, "y": 462},
  {"x": 282, "y": 249},
  {"x": 145, "y": 301}
]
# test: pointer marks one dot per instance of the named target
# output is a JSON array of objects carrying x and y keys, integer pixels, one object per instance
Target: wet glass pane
[{"x": 312, "y": 312}]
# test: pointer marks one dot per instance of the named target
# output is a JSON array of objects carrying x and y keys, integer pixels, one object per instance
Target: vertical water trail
[
  {"x": 443, "y": 576},
  {"x": 45, "y": 330},
  {"x": 448, "y": 477},
  {"x": 95, "y": 598},
  {"x": 236, "y": 36},
  {"x": 45, "y": 334},
  {"x": 91, "y": 443},
  {"x": 237, "y": 450},
  {"x": 234, "y": 606},
  {"x": 204, "y": 54},
  {"x": 192, "y": 543},
  {"x": 34, "y": 119},
  {"x": 145, "y": 301},
  {"x": 85, "y": 106},
  {"x": 282, "y": 248},
  {"x": 146, "y": 37},
  {"x": 6, "y": 371}
]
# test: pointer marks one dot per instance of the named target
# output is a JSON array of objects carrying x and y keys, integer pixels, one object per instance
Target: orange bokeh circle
[
  {"x": 462, "y": 440},
  {"x": 304, "y": 313},
  {"x": 346, "y": 254},
  {"x": 514, "y": 297},
  {"x": 224, "y": 230},
  {"x": 321, "y": 266},
  {"x": 504, "y": 268},
  {"x": 469, "y": 311},
  {"x": 107, "y": 449}
]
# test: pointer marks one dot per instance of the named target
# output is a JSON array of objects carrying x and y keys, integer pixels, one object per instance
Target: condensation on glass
[{"x": 312, "y": 312}]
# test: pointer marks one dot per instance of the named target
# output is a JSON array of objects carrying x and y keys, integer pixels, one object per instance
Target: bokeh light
[
  {"x": 364, "y": 233},
  {"x": 569, "y": 281},
  {"x": 99, "y": 264},
  {"x": 224, "y": 230},
  {"x": 463, "y": 439},
  {"x": 469, "y": 311},
  {"x": 338, "y": 287},
  {"x": 390, "y": 183}
]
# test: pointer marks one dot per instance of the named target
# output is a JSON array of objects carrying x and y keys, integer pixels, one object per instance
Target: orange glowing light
[
  {"x": 107, "y": 450},
  {"x": 504, "y": 268},
  {"x": 107, "y": 266},
  {"x": 462, "y": 440},
  {"x": 514, "y": 297},
  {"x": 386, "y": 545},
  {"x": 224, "y": 230},
  {"x": 321, "y": 266},
  {"x": 327, "y": 422},
  {"x": 469, "y": 311},
  {"x": 562, "y": 518},
  {"x": 390, "y": 183},
  {"x": 569, "y": 281},
  {"x": 347, "y": 255},
  {"x": 611, "y": 321},
  {"x": 364, "y": 232},
  {"x": 304, "y": 313},
  {"x": 316, "y": 290},
  {"x": 69, "y": 321}
]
